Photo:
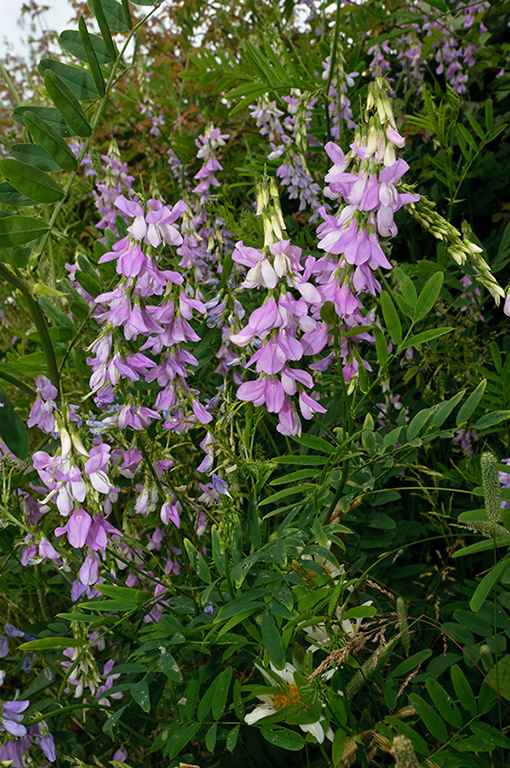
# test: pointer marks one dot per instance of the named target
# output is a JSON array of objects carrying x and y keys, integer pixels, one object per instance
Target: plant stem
[
  {"x": 39, "y": 322},
  {"x": 10, "y": 84}
]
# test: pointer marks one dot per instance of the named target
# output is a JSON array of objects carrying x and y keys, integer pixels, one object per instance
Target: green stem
[
  {"x": 10, "y": 84},
  {"x": 19, "y": 384},
  {"x": 39, "y": 322},
  {"x": 332, "y": 58},
  {"x": 227, "y": 573},
  {"x": 61, "y": 710}
]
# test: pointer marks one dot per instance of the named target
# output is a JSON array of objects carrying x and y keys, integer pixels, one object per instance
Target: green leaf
[
  {"x": 91, "y": 56},
  {"x": 45, "y": 643},
  {"x": 19, "y": 230},
  {"x": 51, "y": 141},
  {"x": 287, "y": 492},
  {"x": 109, "y": 605},
  {"x": 89, "y": 283},
  {"x": 487, "y": 731},
  {"x": 96, "y": 6},
  {"x": 180, "y": 739},
  {"x": 113, "y": 14},
  {"x": 127, "y": 14},
  {"x": 203, "y": 571},
  {"x": 466, "y": 410},
  {"x": 232, "y": 738},
  {"x": 431, "y": 719},
  {"x": 338, "y": 746},
  {"x": 11, "y": 196},
  {"x": 272, "y": 641},
  {"x": 237, "y": 619},
  {"x": 206, "y": 702},
  {"x": 417, "y": 741},
  {"x": 31, "y": 181},
  {"x": 131, "y": 594},
  {"x": 67, "y": 104},
  {"x": 70, "y": 41},
  {"x": 465, "y": 148},
  {"x": 140, "y": 693},
  {"x": 489, "y": 115},
  {"x": 444, "y": 409},
  {"x": 447, "y": 709},
  {"x": 411, "y": 663},
  {"x": 35, "y": 156},
  {"x": 108, "y": 726},
  {"x": 284, "y": 596},
  {"x": 424, "y": 336},
  {"x": 361, "y": 611},
  {"x": 391, "y": 318},
  {"x": 482, "y": 546},
  {"x": 221, "y": 693},
  {"x": 283, "y": 738},
  {"x": 418, "y": 422},
  {"x": 463, "y": 690},
  {"x": 12, "y": 429},
  {"x": 381, "y": 346},
  {"x": 487, "y": 583},
  {"x": 210, "y": 737},
  {"x": 439, "y": 5},
  {"x": 292, "y": 477},
  {"x": 48, "y": 114},
  {"x": 308, "y": 460},
  {"x": 81, "y": 83},
  {"x": 404, "y": 306},
  {"x": 407, "y": 286},
  {"x": 475, "y": 125},
  {"x": 429, "y": 295},
  {"x": 491, "y": 419}
]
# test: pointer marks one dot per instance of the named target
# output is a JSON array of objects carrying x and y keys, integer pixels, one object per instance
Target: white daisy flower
[
  {"x": 273, "y": 702},
  {"x": 320, "y": 636}
]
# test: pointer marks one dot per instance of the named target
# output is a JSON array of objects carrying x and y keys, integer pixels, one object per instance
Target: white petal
[
  {"x": 258, "y": 713},
  {"x": 315, "y": 729}
]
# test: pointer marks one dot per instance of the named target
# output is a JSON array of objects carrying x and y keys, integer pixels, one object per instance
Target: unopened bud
[{"x": 65, "y": 442}]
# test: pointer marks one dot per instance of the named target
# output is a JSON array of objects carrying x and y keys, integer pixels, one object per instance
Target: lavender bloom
[
  {"x": 220, "y": 486},
  {"x": 4, "y": 647},
  {"x": 11, "y": 717},
  {"x": 504, "y": 479},
  {"x": 42, "y": 413}
]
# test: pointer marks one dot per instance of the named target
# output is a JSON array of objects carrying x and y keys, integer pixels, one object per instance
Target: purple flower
[
  {"x": 11, "y": 717},
  {"x": 219, "y": 485},
  {"x": 170, "y": 513},
  {"x": 4, "y": 647}
]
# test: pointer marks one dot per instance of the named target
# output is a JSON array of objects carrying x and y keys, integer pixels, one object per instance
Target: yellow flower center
[{"x": 282, "y": 700}]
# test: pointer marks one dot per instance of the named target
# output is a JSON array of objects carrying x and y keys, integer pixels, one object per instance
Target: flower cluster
[
  {"x": 365, "y": 183},
  {"x": 275, "y": 329}
]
